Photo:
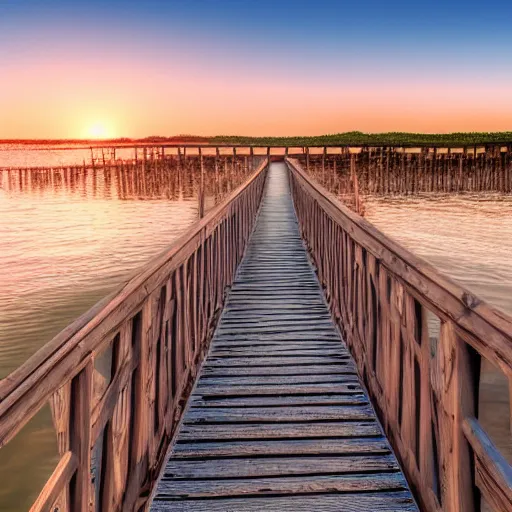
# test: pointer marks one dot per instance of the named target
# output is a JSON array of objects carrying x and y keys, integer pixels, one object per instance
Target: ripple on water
[{"x": 467, "y": 237}]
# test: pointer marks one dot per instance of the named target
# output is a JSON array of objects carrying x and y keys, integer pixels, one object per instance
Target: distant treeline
[
  {"x": 342, "y": 139},
  {"x": 376, "y": 139}
]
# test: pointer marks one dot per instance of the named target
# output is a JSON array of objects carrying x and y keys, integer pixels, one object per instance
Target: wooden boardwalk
[{"x": 278, "y": 420}]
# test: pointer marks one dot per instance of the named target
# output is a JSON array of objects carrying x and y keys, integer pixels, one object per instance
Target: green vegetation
[
  {"x": 375, "y": 139},
  {"x": 336, "y": 139}
]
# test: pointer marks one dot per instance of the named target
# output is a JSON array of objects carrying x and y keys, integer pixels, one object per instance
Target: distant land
[{"x": 348, "y": 138}]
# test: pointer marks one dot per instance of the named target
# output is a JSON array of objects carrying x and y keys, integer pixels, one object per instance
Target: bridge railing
[
  {"x": 417, "y": 339},
  {"x": 117, "y": 378}
]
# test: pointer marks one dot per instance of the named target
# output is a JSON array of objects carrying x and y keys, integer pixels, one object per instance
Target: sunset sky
[{"x": 266, "y": 67}]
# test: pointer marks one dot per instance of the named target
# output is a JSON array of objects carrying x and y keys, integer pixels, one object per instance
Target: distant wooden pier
[{"x": 279, "y": 411}]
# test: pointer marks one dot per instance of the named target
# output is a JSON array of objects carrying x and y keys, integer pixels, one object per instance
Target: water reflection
[{"x": 172, "y": 178}]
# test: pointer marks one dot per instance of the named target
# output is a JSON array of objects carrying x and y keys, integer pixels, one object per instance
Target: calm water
[{"x": 467, "y": 237}]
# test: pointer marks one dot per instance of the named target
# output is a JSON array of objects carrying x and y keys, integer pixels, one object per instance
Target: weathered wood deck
[{"x": 278, "y": 419}]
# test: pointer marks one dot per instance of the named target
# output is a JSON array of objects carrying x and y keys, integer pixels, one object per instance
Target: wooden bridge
[{"x": 270, "y": 402}]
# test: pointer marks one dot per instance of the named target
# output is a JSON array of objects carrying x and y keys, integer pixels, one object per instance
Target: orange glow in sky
[{"x": 138, "y": 99}]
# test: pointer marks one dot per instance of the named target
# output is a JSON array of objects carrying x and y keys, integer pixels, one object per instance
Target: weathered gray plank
[
  {"x": 342, "y": 446},
  {"x": 178, "y": 489},
  {"x": 377, "y": 502},
  {"x": 279, "y": 401},
  {"x": 281, "y": 352},
  {"x": 282, "y": 414},
  {"x": 282, "y": 466},
  {"x": 279, "y": 431},
  {"x": 332, "y": 369},
  {"x": 283, "y": 390},
  {"x": 271, "y": 361},
  {"x": 348, "y": 380}
]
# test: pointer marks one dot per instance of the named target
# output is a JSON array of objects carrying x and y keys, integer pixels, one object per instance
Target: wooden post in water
[
  {"x": 355, "y": 182},
  {"x": 217, "y": 157},
  {"x": 508, "y": 177},
  {"x": 323, "y": 166},
  {"x": 233, "y": 166},
  {"x": 227, "y": 177},
  {"x": 462, "y": 157},
  {"x": 201, "y": 185}
]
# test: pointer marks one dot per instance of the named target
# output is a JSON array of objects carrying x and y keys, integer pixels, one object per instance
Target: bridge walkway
[{"x": 278, "y": 420}]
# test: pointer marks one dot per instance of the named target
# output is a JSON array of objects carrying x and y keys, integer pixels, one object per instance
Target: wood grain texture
[
  {"x": 375, "y": 502},
  {"x": 278, "y": 409}
]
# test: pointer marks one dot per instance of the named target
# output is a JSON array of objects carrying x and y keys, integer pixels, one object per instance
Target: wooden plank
[
  {"x": 347, "y": 379},
  {"x": 210, "y": 391},
  {"x": 286, "y": 349},
  {"x": 285, "y": 400},
  {"x": 272, "y": 361},
  {"x": 264, "y": 447},
  {"x": 273, "y": 415},
  {"x": 380, "y": 502},
  {"x": 179, "y": 488},
  {"x": 319, "y": 369},
  {"x": 280, "y": 431},
  {"x": 278, "y": 466}
]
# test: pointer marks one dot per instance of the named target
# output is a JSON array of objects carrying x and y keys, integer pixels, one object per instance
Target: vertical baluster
[{"x": 81, "y": 394}]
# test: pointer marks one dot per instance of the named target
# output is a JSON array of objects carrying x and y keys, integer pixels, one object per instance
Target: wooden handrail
[
  {"x": 424, "y": 384},
  {"x": 157, "y": 327},
  {"x": 493, "y": 472}
]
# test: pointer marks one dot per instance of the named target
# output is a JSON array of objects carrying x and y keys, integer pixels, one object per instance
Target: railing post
[
  {"x": 81, "y": 393},
  {"x": 454, "y": 379}
]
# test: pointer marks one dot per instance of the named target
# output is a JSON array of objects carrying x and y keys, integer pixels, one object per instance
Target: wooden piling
[{"x": 201, "y": 185}]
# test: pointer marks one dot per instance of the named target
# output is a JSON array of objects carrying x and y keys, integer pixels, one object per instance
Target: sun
[{"x": 98, "y": 130}]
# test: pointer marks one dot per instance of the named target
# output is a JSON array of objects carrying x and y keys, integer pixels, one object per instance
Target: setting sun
[{"x": 98, "y": 130}]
